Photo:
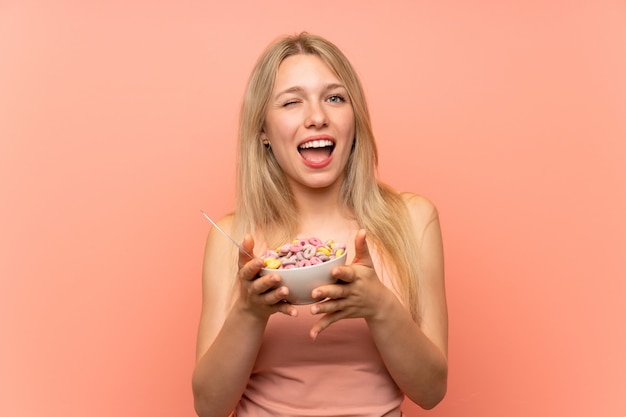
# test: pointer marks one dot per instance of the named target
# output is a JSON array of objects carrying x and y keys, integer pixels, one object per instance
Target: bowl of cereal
[{"x": 303, "y": 265}]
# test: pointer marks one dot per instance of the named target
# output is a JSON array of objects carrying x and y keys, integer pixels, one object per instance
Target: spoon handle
[{"x": 228, "y": 236}]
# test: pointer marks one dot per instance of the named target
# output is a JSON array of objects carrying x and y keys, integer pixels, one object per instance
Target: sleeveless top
[{"x": 339, "y": 374}]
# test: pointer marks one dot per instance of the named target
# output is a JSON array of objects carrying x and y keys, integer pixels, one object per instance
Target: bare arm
[
  {"x": 415, "y": 354},
  {"x": 231, "y": 325}
]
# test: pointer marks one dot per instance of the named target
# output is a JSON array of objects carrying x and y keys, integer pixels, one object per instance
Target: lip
[
  {"x": 317, "y": 137},
  {"x": 325, "y": 162}
]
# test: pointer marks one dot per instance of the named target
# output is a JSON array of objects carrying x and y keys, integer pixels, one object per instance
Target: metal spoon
[{"x": 227, "y": 235}]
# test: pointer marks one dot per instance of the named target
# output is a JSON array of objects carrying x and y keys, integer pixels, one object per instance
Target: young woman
[{"x": 307, "y": 167}]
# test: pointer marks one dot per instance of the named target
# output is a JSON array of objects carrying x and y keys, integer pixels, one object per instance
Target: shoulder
[
  {"x": 420, "y": 208},
  {"x": 219, "y": 252},
  {"x": 226, "y": 222},
  {"x": 219, "y": 255},
  {"x": 215, "y": 238},
  {"x": 422, "y": 213}
]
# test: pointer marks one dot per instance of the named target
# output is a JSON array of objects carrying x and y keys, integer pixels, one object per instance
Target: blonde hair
[{"x": 264, "y": 203}]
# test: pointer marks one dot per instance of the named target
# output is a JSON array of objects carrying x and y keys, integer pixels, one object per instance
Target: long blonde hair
[{"x": 264, "y": 202}]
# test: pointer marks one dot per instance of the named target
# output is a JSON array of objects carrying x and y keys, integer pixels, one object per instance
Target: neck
[{"x": 321, "y": 212}]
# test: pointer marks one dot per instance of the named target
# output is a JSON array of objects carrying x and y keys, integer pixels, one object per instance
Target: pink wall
[{"x": 117, "y": 125}]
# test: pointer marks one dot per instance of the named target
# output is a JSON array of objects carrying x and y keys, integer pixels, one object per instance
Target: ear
[{"x": 264, "y": 140}]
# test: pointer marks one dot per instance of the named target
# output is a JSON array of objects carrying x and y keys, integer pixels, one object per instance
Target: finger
[
  {"x": 265, "y": 283},
  {"x": 361, "y": 251},
  {"x": 325, "y": 322},
  {"x": 344, "y": 274},
  {"x": 248, "y": 245},
  {"x": 339, "y": 290},
  {"x": 286, "y": 309},
  {"x": 329, "y": 306},
  {"x": 251, "y": 269},
  {"x": 276, "y": 298},
  {"x": 274, "y": 295}
]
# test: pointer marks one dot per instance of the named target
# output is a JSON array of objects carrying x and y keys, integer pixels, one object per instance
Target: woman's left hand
[{"x": 358, "y": 294}]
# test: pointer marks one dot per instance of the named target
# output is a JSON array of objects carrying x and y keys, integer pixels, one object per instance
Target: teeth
[{"x": 317, "y": 144}]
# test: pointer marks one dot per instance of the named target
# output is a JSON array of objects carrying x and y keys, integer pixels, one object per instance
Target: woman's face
[{"x": 309, "y": 122}]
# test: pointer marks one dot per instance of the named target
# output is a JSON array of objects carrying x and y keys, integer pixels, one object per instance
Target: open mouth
[{"x": 316, "y": 151}]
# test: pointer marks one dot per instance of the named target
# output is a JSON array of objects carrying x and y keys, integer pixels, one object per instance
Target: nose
[{"x": 316, "y": 116}]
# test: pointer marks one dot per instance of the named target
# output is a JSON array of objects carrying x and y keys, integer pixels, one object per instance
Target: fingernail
[{"x": 315, "y": 310}]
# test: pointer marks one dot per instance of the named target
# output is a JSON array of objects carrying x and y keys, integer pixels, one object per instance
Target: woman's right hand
[{"x": 262, "y": 296}]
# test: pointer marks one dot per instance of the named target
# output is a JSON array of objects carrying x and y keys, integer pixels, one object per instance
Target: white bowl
[{"x": 303, "y": 280}]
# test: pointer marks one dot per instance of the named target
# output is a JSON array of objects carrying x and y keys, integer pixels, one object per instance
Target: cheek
[
  {"x": 351, "y": 132},
  {"x": 279, "y": 128},
  {"x": 350, "y": 124}
]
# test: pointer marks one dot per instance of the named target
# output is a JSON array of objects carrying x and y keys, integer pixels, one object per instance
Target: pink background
[{"x": 118, "y": 123}]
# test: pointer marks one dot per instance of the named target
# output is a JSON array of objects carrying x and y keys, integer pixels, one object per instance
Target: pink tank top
[{"x": 339, "y": 374}]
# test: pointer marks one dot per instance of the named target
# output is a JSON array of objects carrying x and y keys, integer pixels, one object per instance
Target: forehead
[{"x": 303, "y": 70}]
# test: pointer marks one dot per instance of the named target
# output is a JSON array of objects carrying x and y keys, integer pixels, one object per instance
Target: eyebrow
[{"x": 298, "y": 89}]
